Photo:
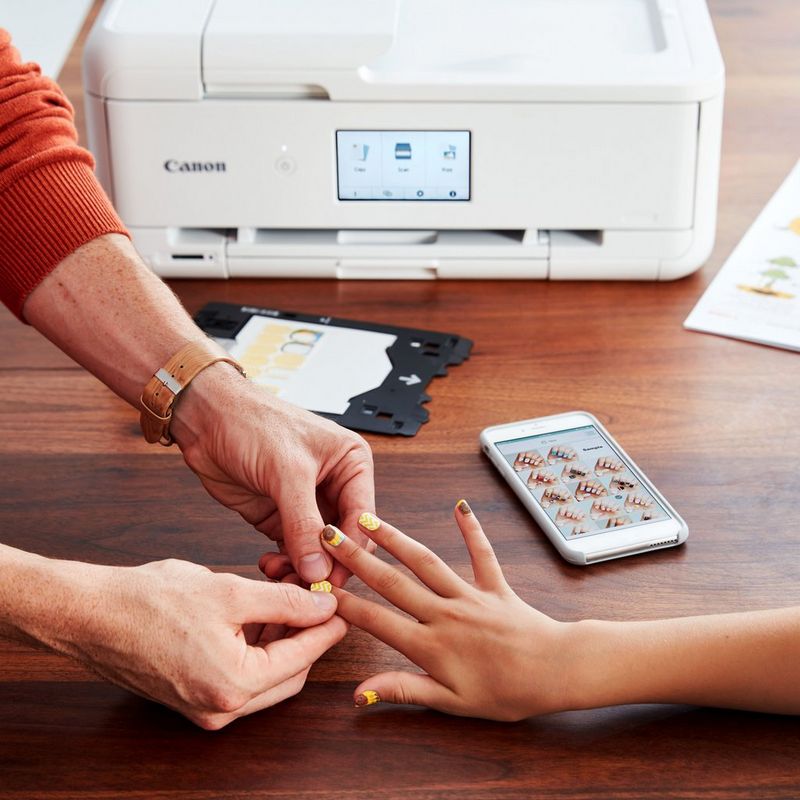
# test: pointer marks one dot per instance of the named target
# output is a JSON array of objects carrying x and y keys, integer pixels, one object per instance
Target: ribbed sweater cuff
[{"x": 44, "y": 216}]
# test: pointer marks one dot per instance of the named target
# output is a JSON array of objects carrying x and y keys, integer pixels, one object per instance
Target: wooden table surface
[{"x": 713, "y": 422}]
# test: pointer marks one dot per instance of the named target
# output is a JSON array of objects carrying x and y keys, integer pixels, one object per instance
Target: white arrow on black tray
[{"x": 410, "y": 380}]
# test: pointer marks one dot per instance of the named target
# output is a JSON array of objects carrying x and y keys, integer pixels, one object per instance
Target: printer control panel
[{"x": 403, "y": 165}]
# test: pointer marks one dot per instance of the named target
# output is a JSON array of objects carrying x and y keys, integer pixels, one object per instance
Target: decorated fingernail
[
  {"x": 332, "y": 535},
  {"x": 368, "y": 698},
  {"x": 369, "y": 521},
  {"x": 321, "y": 586},
  {"x": 463, "y": 507}
]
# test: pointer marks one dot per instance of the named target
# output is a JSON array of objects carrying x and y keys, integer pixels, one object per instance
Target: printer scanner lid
[{"x": 407, "y": 50}]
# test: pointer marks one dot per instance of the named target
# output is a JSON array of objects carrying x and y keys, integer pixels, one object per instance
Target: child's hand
[{"x": 486, "y": 652}]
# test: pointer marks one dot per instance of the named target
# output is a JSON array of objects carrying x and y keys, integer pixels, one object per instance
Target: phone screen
[{"x": 581, "y": 482}]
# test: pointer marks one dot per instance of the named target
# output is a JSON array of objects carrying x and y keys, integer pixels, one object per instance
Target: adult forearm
[
  {"x": 747, "y": 661},
  {"x": 273, "y": 463},
  {"x": 43, "y": 601},
  {"x": 106, "y": 310},
  {"x": 170, "y": 630}
]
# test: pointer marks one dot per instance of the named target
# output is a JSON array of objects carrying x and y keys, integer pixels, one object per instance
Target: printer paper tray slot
[
  {"x": 409, "y": 254},
  {"x": 388, "y": 269},
  {"x": 397, "y": 254}
]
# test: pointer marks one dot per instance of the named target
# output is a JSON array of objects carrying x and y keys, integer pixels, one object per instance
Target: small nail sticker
[
  {"x": 463, "y": 507},
  {"x": 332, "y": 535},
  {"x": 369, "y": 521},
  {"x": 368, "y": 698},
  {"x": 321, "y": 586}
]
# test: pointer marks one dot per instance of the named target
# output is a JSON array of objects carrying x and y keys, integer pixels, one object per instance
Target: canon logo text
[{"x": 173, "y": 165}]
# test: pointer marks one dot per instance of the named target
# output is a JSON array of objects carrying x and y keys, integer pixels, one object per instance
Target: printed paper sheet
[{"x": 756, "y": 294}]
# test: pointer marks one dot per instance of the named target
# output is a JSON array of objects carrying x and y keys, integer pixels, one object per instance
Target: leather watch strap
[{"x": 162, "y": 390}]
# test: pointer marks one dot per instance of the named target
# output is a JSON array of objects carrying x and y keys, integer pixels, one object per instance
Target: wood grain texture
[{"x": 711, "y": 420}]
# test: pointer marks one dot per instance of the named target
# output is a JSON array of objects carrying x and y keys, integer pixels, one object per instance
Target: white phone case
[{"x": 615, "y": 543}]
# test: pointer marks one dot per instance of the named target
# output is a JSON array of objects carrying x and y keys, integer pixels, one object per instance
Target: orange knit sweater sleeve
[{"x": 50, "y": 200}]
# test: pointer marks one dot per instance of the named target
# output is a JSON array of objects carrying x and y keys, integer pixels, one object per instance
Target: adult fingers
[
  {"x": 275, "y": 565},
  {"x": 264, "y": 517},
  {"x": 275, "y": 694},
  {"x": 351, "y": 485},
  {"x": 346, "y": 492},
  {"x": 355, "y": 497},
  {"x": 279, "y": 660},
  {"x": 385, "y": 579},
  {"x": 485, "y": 566},
  {"x": 424, "y": 563},
  {"x": 283, "y": 603},
  {"x": 270, "y": 632},
  {"x": 407, "y": 688},
  {"x": 275, "y": 671},
  {"x": 289, "y": 688},
  {"x": 253, "y": 632},
  {"x": 403, "y": 634},
  {"x": 301, "y": 524}
]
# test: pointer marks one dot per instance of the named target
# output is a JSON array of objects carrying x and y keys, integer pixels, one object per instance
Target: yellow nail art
[
  {"x": 463, "y": 507},
  {"x": 368, "y": 698},
  {"x": 332, "y": 535},
  {"x": 321, "y": 586},
  {"x": 369, "y": 521}
]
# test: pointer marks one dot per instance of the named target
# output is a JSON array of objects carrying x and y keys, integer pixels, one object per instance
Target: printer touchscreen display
[{"x": 403, "y": 165}]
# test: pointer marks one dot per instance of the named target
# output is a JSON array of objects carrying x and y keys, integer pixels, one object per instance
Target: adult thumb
[
  {"x": 285, "y": 604},
  {"x": 302, "y": 524}
]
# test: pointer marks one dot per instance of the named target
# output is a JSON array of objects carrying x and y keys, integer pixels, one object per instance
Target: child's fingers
[
  {"x": 385, "y": 579},
  {"x": 278, "y": 565},
  {"x": 406, "y": 688},
  {"x": 485, "y": 566},
  {"x": 339, "y": 574},
  {"x": 424, "y": 563},
  {"x": 403, "y": 634}
]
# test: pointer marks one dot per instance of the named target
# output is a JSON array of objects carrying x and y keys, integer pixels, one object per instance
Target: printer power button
[{"x": 285, "y": 165}]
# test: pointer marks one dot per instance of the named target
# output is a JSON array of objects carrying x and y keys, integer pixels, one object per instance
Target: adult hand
[
  {"x": 196, "y": 641},
  {"x": 285, "y": 470},
  {"x": 485, "y": 652}
]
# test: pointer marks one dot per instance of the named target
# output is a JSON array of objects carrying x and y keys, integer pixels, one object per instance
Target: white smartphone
[{"x": 582, "y": 488}]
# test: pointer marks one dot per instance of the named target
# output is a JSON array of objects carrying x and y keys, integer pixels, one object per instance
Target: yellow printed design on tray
[{"x": 277, "y": 353}]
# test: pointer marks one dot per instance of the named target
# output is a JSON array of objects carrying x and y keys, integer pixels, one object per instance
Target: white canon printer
[{"x": 410, "y": 138}]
